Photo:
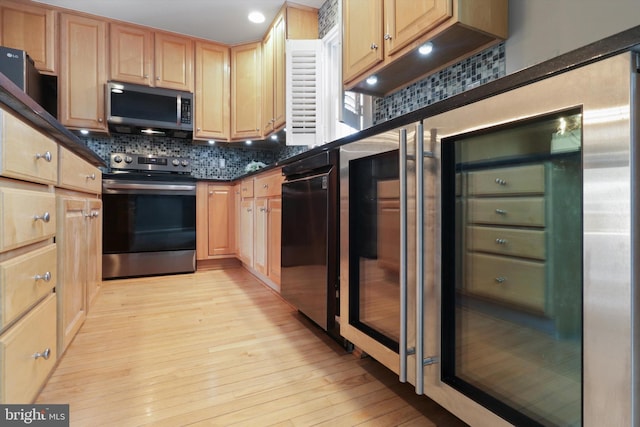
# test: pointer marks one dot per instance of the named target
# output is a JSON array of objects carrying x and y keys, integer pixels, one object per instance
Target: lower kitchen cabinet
[
  {"x": 216, "y": 235},
  {"x": 246, "y": 231}
]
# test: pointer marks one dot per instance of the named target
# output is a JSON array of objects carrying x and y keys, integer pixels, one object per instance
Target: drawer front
[
  {"x": 23, "y": 373},
  {"x": 77, "y": 174},
  {"x": 509, "y": 280},
  {"x": 18, "y": 212},
  {"x": 246, "y": 188},
  {"x": 514, "y": 180},
  {"x": 269, "y": 185},
  {"x": 525, "y": 211},
  {"x": 24, "y": 280},
  {"x": 25, "y": 153},
  {"x": 507, "y": 241}
]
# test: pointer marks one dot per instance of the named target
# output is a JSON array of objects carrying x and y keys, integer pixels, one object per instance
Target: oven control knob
[
  {"x": 185, "y": 163},
  {"x": 176, "y": 162},
  {"x": 117, "y": 159},
  {"x": 128, "y": 159}
]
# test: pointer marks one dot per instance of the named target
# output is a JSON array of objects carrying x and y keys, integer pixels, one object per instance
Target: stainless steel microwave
[{"x": 133, "y": 109}]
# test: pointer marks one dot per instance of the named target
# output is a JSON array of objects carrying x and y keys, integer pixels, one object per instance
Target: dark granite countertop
[{"x": 17, "y": 102}]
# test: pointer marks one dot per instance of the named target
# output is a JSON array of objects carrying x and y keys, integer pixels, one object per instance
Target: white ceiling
[{"x": 224, "y": 21}]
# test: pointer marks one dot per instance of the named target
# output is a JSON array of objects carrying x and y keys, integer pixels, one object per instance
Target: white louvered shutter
[{"x": 304, "y": 92}]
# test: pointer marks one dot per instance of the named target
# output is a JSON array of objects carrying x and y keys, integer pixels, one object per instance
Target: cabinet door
[
  {"x": 237, "y": 199},
  {"x": 260, "y": 258},
  {"x": 94, "y": 249},
  {"x": 279, "y": 73},
  {"x": 174, "y": 62},
  {"x": 246, "y": 84},
  {"x": 83, "y": 72},
  {"x": 131, "y": 54},
  {"x": 32, "y": 29},
  {"x": 406, "y": 20},
  {"x": 246, "y": 231},
  {"x": 362, "y": 41},
  {"x": 72, "y": 271},
  {"x": 268, "y": 88},
  {"x": 275, "y": 238},
  {"x": 212, "y": 95},
  {"x": 221, "y": 201}
]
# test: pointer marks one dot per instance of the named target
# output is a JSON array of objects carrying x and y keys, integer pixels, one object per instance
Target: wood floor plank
[{"x": 218, "y": 348}]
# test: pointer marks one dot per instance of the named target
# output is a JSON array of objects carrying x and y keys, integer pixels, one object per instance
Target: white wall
[{"x": 543, "y": 29}]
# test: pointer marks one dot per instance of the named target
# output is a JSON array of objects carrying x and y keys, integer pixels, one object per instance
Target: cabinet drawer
[
  {"x": 19, "y": 288},
  {"x": 21, "y": 373},
  {"x": 18, "y": 212},
  {"x": 525, "y": 211},
  {"x": 269, "y": 185},
  {"x": 513, "y": 180},
  {"x": 507, "y": 241},
  {"x": 509, "y": 280},
  {"x": 25, "y": 153},
  {"x": 77, "y": 174},
  {"x": 246, "y": 188}
]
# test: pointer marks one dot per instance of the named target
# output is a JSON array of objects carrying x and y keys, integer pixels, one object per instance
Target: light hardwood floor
[{"x": 219, "y": 348}]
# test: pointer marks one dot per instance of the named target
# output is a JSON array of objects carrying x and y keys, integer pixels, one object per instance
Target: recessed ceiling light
[
  {"x": 249, "y": 142},
  {"x": 84, "y": 132},
  {"x": 426, "y": 48},
  {"x": 211, "y": 142},
  {"x": 372, "y": 80},
  {"x": 274, "y": 137},
  {"x": 256, "y": 17}
]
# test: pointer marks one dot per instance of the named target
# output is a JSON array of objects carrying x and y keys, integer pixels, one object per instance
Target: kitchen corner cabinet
[
  {"x": 28, "y": 254},
  {"x": 83, "y": 72},
  {"x": 246, "y": 90},
  {"x": 141, "y": 56},
  {"x": 382, "y": 36},
  {"x": 213, "y": 92},
  {"x": 268, "y": 218},
  {"x": 32, "y": 29},
  {"x": 215, "y": 221},
  {"x": 79, "y": 240}
]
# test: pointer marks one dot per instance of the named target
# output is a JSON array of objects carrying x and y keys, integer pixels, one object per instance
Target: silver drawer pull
[
  {"x": 501, "y": 279},
  {"x": 46, "y": 156},
  {"x": 501, "y": 212},
  {"x": 263, "y": 209},
  {"x": 95, "y": 214},
  {"x": 46, "y": 277},
  {"x": 265, "y": 186},
  {"x": 501, "y": 241},
  {"x": 45, "y": 354},
  {"x": 501, "y": 181},
  {"x": 45, "y": 217},
  {"x": 92, "y": 176}
]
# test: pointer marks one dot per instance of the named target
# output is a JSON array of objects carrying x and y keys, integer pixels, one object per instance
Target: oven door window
[
  {"x": 148, "y": 223},
  {"x": 512, "y": 269}
]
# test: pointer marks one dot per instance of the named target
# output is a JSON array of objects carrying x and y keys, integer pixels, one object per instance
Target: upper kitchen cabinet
[
  {"x": 173, "y": 62},
  {"x": 246, "y": 89},
  {"x": 291, "y": 23},
  {"x": 142, "y": 56},
  {"x": 212, "y": 94},
  {"x": 382, "y": 38},
  {"x": 131, "y": 54},
  {"x": 83, "y": 72},
  {"x": 32, "y": 29}
]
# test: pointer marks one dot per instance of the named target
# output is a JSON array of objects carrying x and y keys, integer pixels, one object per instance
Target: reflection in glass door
[
  {"x": 512, "y": 269},
  {"x": 374, "y": 236}
]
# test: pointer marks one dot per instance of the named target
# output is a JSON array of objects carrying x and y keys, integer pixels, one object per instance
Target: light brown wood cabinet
[
  {"x": 215, "y": 214},
  {"x": 83, "y": 72},
  {"x": 173, "y": 61},
  {"x": 246, "y": 89},
  {"x": 28, "y": 255},
  {"x": 381, "y": 37},
  {"x": 30, "y": 28},
  {"x": 268, "y": 228},
  {"x": 245, "y": 252},
  {"x": 213, "y": 92}
]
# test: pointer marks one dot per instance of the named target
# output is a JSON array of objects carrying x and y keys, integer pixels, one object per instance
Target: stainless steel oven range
[{"x": 149, "y": 222}]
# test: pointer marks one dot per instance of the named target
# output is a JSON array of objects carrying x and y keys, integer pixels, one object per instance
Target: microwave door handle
[
  {"x": 403, "y": 256},
  {"x": 179, "y": 112}
]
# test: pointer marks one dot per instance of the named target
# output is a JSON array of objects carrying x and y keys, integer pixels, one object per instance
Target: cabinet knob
[
  {"x": 265, "y": 186},
  {"x": 100, "y": 120},
  {"x": 44, "y": 217},
  {"x": 262, "y": 210},
  {"x": 501, "y": 181},
  {"x": 46, "y": 277},
  {"x": 95, "y": 214},
  {"x": 387, "y": 36},
  {"x": 199, "y": 129},
  {"x": 501, "y": 241},
  {"x": 92, "y": 176},
  {"x": 500, "y": 280},
  {"x": 146, "y": 76},
  {"x": 249, "y": 209},
  {"x": 46, "y": 156},
  {"x": 45, "y": 354},
  {"x": 158, "y": 78},
  {"x": 501, "y": 212},
  {"x": 374, "y": 46}
]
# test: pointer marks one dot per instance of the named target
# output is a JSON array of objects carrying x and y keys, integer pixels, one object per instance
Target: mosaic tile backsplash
[
  {"x": 205, "y": 159},
  {"x": 327, "y": 17}
]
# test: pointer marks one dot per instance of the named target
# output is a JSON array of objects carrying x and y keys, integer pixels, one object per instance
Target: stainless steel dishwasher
[{"x": 309, "y": 276}]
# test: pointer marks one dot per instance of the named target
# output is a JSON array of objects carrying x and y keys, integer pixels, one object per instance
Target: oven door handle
[{"x": 107, "y": 187}]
